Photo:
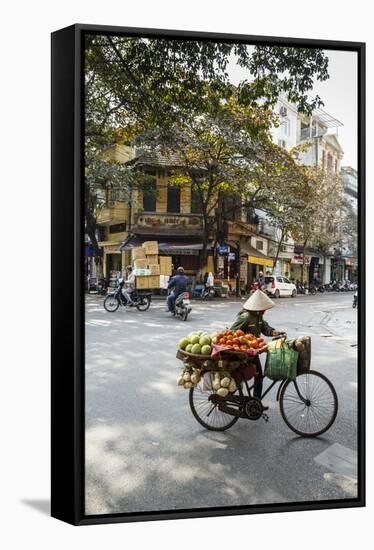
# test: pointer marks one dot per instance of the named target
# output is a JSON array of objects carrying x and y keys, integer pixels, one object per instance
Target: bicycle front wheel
[
  {"x": 309, "y": 404},
  {"x": 206, "y": 412}
]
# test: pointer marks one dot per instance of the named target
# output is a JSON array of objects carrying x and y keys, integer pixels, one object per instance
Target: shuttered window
[{"x": 174, "y": 199}]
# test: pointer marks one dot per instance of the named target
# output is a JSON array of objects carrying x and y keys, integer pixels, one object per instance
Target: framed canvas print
[{"x": 208, "y": 288}]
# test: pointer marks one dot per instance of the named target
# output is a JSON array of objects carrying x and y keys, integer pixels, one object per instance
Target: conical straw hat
[{"x": 258, "y": 302}]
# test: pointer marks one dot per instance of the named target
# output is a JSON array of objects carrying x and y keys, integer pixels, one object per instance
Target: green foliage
[{"x": 176, "y": 94}]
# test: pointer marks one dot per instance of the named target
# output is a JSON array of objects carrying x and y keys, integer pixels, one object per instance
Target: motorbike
[
  {"x": 141, "y": 298},
  {"x": 182, "y": 307},
  {"x": 355, "y": 300},
  {"x": 203, "y": 293},
  {"x": 102, "y": 287},
  {"x": 316, "y": 287}
]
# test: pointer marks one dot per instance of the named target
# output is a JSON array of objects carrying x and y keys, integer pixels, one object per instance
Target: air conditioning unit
[
  {"x": 282, "y": 143},
  {"x": 283, "y": 111}
]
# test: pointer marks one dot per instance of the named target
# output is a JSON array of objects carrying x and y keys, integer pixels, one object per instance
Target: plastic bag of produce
[{"x": 281, "y": 361}]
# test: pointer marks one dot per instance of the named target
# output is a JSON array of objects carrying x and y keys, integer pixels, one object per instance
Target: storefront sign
[
  {"x": 112, "y": 248},
  {"x": 223, "y": 249},
  {"x": 180, "y": 251},
  {"x": 299, "y": 260}
]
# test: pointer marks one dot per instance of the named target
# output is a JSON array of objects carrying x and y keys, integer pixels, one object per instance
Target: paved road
[{"x": 144, "y": 449}]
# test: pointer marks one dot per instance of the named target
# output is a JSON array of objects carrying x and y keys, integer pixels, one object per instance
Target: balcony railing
[{"x": 307, "y": 133}]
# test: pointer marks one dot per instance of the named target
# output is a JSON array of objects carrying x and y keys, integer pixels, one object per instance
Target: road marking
[{"x": 339, "y": 460}]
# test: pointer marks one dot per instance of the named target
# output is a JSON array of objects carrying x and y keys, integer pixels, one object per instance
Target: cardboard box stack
[
  {"x": 151, "y": 270},
  {"x": 138, "y": 253},
  {"x": 165, "y": 265}
]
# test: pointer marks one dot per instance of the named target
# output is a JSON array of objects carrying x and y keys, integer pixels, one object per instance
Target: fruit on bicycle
[
  {"x": 194, "y": 339},
  {"x": 222, "y": 392},
  {"x": 183, "y": 343},
  {"x": 188, "y": 348},
  {"x": 187, "y": 376},
  {"x": 190, "y": 377},
  {"x": 206, "y": 350},
  {"x": 196, "y": 349},
  {"x": 225, "y": 382},
  {"x": 237, "y": 340},
  {"x": 205, "y": 340}
]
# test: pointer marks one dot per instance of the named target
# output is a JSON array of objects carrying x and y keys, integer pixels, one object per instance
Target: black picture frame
[{"x": 67, "y": 386}]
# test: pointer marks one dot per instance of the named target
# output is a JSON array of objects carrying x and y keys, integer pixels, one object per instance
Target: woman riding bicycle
[{"x": 250, "y": 319}]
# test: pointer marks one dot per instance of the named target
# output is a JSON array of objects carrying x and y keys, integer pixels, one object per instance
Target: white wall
[{"x": 288, "y": 129}]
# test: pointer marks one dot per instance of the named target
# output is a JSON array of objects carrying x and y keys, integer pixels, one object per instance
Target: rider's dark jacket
[
  {"x": 178, "y": 283},
  {"x": 253, "y": 322}
]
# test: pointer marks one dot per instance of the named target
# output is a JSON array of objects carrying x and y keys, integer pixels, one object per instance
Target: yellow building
[{"x": 172, "y": 216}]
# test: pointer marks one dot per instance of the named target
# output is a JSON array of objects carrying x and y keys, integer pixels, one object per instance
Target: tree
[
  {"x": 320, "y": 218},
  {"x": 135, "y": 84},
  {"x": 228, "y": 153}
]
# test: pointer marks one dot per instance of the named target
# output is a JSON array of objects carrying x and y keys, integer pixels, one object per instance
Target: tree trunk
[
  {"x": 303, "y": 274},
  {"x": 278, "y": 250}
]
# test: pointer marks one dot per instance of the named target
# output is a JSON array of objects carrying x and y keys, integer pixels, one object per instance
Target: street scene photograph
[{"x": 221, "y": 274}]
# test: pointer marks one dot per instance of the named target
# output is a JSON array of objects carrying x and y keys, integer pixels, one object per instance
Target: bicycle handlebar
[{"x": 280, "y": 335}]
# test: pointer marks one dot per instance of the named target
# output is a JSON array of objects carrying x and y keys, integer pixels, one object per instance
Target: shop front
[
  {"x": 91, "y": 270},
  {"x": 114, "y": 263},
  {"x": 351, "y": 269},
  {"x": 307, "y": 267},
  {"x": 183, "y": 251},
  {"x": 337, "y": 269},
  {"x": 299, "y": 262}
]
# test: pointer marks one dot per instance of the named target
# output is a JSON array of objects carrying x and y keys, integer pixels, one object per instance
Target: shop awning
[
  {"x": 166, "y": 246},
  {"x": 257, "y": 260},
  {"x": 255, "y": 256}
]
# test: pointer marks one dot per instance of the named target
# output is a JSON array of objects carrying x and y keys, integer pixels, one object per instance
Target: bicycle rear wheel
[
  {"x": 309, "y": 404},
  {"x": 206, "y": 412}
]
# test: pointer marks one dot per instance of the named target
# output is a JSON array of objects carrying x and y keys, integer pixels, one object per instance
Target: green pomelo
[
  {"x": 205, "y": 340},
  {"x": 188, "y": 348},
  {"x": 183, "y": 342},
  {"x": 206, "y": 350},
  {"x": 194, "y": 339},
  {"x": 196, "y": 348}
]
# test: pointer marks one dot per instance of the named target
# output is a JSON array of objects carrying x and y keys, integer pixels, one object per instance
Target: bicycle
[{"x": 308, "y": 404}]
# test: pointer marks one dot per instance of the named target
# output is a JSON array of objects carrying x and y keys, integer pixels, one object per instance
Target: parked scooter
[
  {"x": 301, "y": 288},
  {"x": 141, "y": 298},
  {"x": 102, "y": 286},
  {"x": 202, "y": 292}
]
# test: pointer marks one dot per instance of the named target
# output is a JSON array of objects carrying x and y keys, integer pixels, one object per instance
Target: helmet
[
  {"x": 180, "y": 269},
  {"x": 260, "y": 273},
  {"x": 129, "y": 268}
]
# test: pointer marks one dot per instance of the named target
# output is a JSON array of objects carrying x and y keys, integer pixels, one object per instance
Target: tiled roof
[{"x": 156, "y": 158}]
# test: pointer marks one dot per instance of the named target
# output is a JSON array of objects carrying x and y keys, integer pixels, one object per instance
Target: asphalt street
[{"x": 144, "y": 449}]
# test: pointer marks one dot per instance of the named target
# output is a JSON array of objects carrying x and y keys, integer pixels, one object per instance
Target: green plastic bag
[{"x": 281, "y": 361}]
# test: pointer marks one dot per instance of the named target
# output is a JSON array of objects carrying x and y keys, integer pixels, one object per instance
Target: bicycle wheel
[
  {"x": 309, "y": 404},
  {"x": 207, "y": 413},
  {"x": 144, "y": 303},
  {"x": 111, "y": 303}
]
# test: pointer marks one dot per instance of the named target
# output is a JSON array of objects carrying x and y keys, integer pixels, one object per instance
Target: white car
[{"x": 279, "y": 286}]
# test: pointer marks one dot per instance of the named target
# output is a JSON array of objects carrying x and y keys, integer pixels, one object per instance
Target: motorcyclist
[
  {"x": 261, "y": 279},
  {"x": 250, "y": 319},
  {"x": 129, "y": 285},
  {"x": 178, "y": 283}
]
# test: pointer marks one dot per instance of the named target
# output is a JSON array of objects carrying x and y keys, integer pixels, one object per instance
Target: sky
[{"x": 339, "y": 94}]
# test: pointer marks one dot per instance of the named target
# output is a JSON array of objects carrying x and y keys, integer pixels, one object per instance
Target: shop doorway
[{"x": 113, "y": 267}]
